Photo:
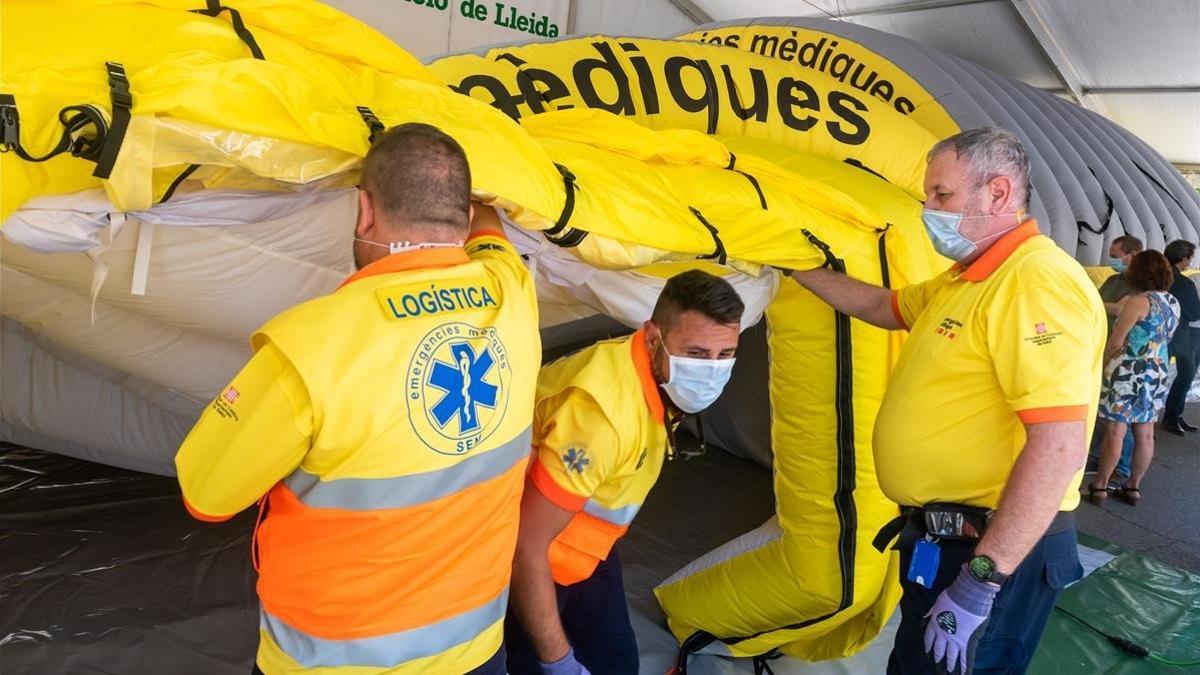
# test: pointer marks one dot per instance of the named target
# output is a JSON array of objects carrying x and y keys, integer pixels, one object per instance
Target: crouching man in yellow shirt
[{"x": 602, "y": 428}]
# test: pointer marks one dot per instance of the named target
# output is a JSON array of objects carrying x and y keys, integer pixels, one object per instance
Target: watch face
[{"x": 982, "y": 567}]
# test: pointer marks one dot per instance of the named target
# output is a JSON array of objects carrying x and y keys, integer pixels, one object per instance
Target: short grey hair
[{"x": 991, "y": 152}]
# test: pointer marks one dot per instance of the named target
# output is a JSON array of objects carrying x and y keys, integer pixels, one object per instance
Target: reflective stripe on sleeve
[{"x": 621, "y": 516}]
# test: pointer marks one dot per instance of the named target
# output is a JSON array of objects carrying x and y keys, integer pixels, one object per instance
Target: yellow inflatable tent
[{"x": 170, "y": 187}]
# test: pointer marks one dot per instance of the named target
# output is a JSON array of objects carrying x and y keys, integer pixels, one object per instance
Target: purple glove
[
  {"x": 567, "y": 665},
  {"x": 957, "y": 621}
]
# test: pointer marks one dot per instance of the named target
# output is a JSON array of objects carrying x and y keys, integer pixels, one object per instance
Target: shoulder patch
[{"x": 576, "y": 459}]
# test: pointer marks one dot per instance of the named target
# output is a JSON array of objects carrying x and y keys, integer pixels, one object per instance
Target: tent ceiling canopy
[{"x": 1136, "y": 63}]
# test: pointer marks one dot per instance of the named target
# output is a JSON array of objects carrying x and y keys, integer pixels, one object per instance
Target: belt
[{"x": 946, "y": 521}]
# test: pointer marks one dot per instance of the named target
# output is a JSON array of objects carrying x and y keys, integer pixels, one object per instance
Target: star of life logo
[
  {"x": 576, "y": 459},
  {"x": 457, "y": 387}
]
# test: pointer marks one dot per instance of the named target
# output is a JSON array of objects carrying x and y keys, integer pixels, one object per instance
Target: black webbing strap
[
  {"x": 215, "y": 8},
  {"x": 122, "y": 112},
  {"x": 183, "y": 175},
  {"x": 373, "y": 124},
  {"x": 692, "y": 645},
  {"x": 859, "y": 165},
  {"x": 718, "y": 253},
  {"x": 762, "y": 198},
  {"x": 904, "y": 529},
  {"x": 831, "y": 261},
  {"x": 762, "y": 664},
  {"x": 1083, "y": 224},
  {"x": 561, "y": 234},
  {"x": 885, "y": 272},
  {"x": 1158, "y": 183},
  {"x": 75, "y": 120}
]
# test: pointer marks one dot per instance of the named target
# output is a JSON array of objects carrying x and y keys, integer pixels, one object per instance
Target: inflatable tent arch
[{"x": 207, "y": 159}]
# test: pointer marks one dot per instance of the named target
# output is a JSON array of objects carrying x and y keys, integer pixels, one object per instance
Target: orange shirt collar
[
  {"x": 998, "y": 252},
  {"x": 411, "y": 260},
  {"x": 641, "y": 363}
]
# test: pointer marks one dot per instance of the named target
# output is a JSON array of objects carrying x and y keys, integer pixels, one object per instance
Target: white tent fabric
[{"x": 129, "y": 346}]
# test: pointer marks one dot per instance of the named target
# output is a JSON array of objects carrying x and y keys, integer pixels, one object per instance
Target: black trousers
[
  {"x": 596, "y": 620},
  {"x": 1018, "y": 617}
]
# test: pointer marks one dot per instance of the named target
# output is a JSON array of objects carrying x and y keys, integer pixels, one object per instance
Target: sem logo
[{"x": 457, "y": 386}]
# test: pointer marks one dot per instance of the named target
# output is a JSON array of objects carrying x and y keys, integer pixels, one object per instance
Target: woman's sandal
[
  {"x": 1097, "y": 495},
  {"x": 1129, "y": 495}
]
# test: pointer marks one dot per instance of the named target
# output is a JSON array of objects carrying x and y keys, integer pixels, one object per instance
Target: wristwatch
[{"x": 983, "y": 568}]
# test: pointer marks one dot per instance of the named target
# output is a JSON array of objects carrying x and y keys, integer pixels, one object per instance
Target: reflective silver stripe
[
  {"x": 386, "y": 650},
  {"x": 621, "y": 516},
  {"x": 400, "y": 491}
]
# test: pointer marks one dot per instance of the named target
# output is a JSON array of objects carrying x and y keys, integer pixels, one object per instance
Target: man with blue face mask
[
  {"x": 1112, "y": 291},
  {"x": 603, "y": 426},
  {"x": 983, "y": 430},
  {"x": 1120, "y": 252}
]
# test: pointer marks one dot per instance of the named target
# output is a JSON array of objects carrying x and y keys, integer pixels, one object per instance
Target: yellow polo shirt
[
  {"x": 599, "y": 441},
  {"x": 1015, "y": 338}
]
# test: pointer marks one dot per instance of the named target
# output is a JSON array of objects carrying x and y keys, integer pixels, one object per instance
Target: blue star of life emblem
[
  {"x": 457, "y": 387},
  {"x": 576, "y": 459},
  {"x": 463, "y": 382}
]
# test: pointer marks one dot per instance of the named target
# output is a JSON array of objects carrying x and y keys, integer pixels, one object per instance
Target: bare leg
[
  {"x": 1143, "y": 453},
  {"x": 1110, "y": 453}
]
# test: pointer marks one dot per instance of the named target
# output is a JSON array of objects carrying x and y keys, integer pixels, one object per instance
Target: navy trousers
[
  {"x": 1018, "y": 617},
  {"x": 1185, "y": 348},
  {"x": 596, "y": 620}
]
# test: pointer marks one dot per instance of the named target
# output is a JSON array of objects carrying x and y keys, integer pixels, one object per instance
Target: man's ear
[
  {"x": 471, "y": 213},
  {"x": 999, "y": 192},
  {"x": 366, "y": 215}
]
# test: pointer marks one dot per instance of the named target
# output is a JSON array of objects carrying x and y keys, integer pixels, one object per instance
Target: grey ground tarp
[{"x": 104, "y": 572}]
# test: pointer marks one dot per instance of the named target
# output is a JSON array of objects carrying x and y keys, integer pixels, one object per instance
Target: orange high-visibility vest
[{"x": 389, "y": 547}]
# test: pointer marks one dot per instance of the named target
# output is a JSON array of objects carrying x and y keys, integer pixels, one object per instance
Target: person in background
[
  {"x": 983, "y": 430},
  {"x": 386, "y": 426},
  {"x": 1120, "y": 252},
  {"x": 602, "y": 429},
  {"x": 1185, "y": 345},
  {"x": 1114, "y": 288},
  {"x": 1135, "y": 373}
]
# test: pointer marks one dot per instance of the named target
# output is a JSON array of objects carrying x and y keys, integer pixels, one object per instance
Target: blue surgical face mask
[
  {"x": 943, "y": 230},
  {"x": 696, "y": 383},
  {"x": 1118, "y": 264}
]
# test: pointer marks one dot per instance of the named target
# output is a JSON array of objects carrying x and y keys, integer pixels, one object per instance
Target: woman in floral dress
[{"x": 1135, "y": 372}]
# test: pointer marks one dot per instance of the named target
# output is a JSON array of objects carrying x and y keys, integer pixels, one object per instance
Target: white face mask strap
[{"x": 403, "y": 246}]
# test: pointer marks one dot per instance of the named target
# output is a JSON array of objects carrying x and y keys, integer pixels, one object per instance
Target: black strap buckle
[
  {"x": 10, "y": 123},
  {"x": 372, "y": 121},
  {"x": 118, "y": 85}
]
